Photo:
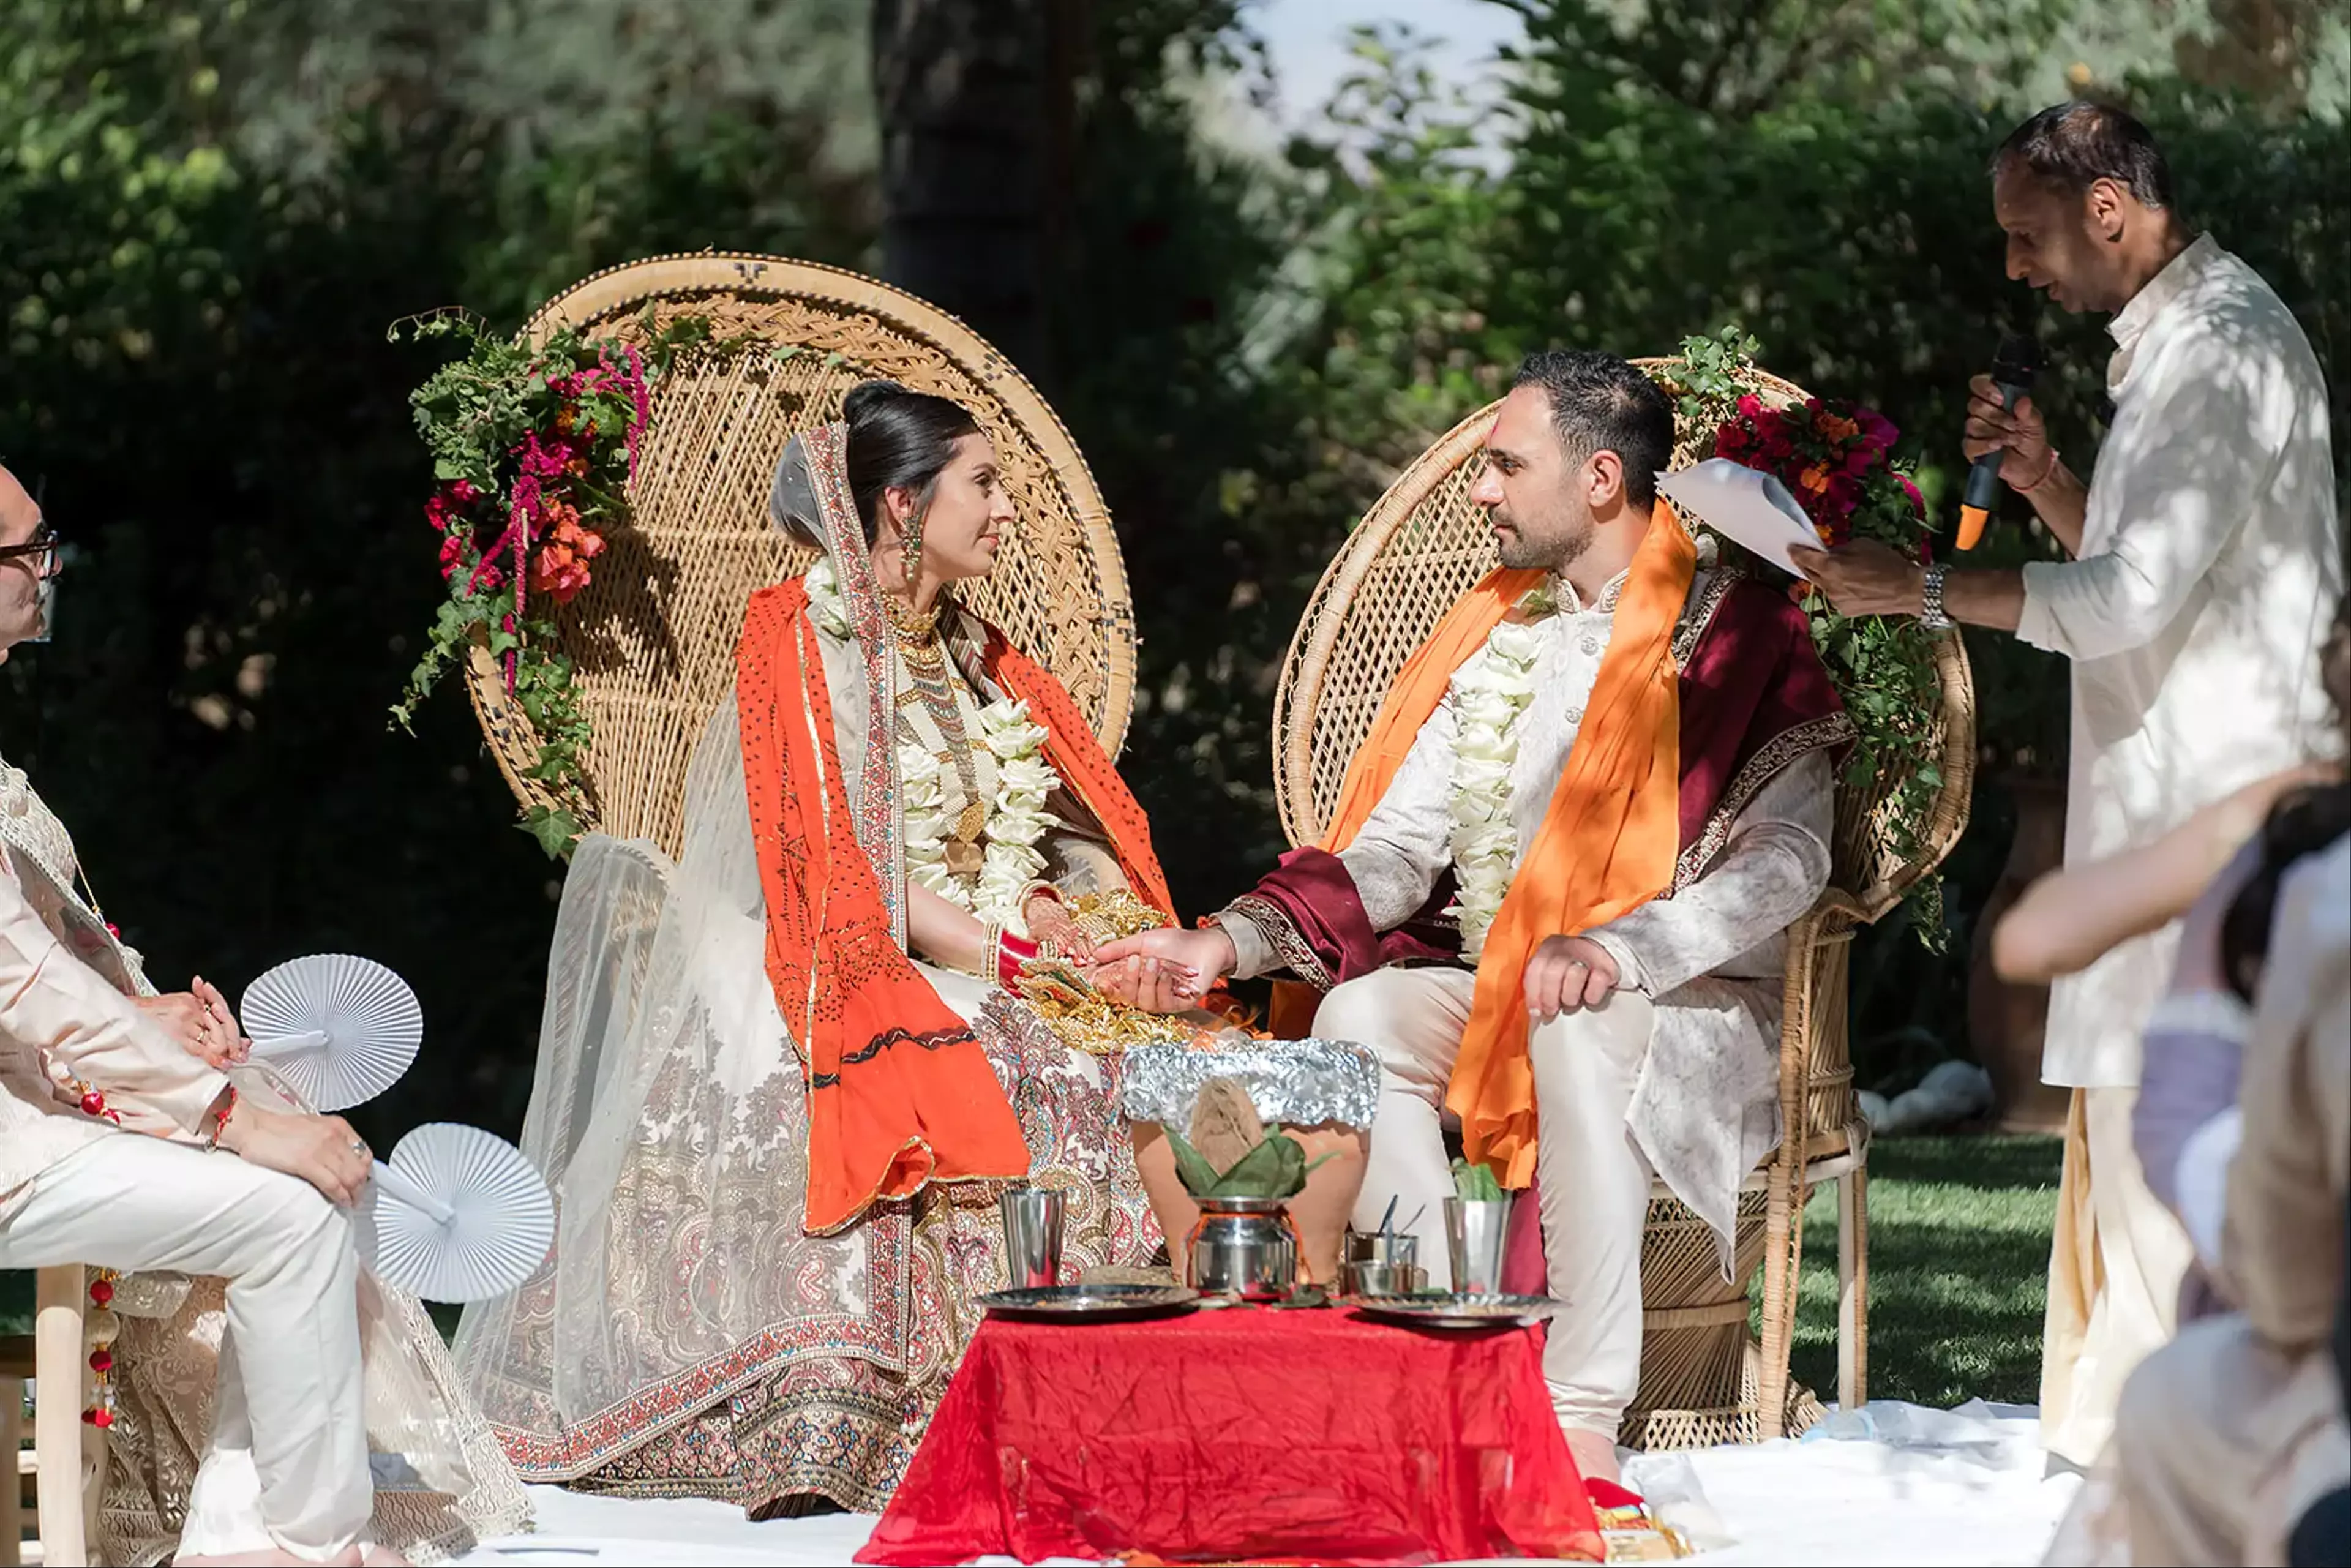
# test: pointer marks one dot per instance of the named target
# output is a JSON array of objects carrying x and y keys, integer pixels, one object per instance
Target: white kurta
[{"x": 2210, "y": 564}]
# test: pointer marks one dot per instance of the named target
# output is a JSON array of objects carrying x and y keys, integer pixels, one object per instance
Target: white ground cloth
[{"x": 1907, "y": 1484}]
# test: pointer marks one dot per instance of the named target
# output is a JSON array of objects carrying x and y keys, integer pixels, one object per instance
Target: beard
[{"x": 1551, "y": 549}]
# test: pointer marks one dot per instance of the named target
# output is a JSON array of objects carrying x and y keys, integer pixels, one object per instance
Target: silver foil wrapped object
[{"x": 1296, "y": 1083}]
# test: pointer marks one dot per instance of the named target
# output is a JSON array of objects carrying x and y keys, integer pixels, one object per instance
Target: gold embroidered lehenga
[{"x": 690, "y": 1336}]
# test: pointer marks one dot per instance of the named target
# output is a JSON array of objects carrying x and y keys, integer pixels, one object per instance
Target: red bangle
[
  {"x": 1011, "y": 952},
  {"x": 221, "y": 1113},
  {"x": 2046, "y": 472}
]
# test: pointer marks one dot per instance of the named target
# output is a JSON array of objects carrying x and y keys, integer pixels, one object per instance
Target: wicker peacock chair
[
  {"x": 1703, "y": 1380},
  {"x": 653, "y": 638}
]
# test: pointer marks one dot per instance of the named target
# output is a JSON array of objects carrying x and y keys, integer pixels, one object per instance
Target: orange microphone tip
[{"x": 1971, "y": 526}]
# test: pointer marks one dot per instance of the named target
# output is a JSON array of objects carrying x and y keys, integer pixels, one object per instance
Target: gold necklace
[{"x": 911, "y": 623}]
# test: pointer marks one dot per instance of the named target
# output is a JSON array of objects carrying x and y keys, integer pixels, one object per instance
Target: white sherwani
[
  {"x": 2209, "y": 566},
  {"x": 1676, "y": 1074}
]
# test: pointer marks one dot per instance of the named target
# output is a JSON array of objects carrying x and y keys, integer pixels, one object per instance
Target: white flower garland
[
  {"x": 1017, "y": 819},
  {"x": 1490, "y": 693}
]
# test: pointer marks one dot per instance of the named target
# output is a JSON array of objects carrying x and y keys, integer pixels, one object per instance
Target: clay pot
[{"x": 2005, "y": 1021}]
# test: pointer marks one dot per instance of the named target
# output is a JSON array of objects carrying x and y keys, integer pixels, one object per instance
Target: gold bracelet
[{"x": 991, "y": 950}]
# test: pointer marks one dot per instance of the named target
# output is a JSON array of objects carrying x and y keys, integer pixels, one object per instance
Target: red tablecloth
[{"x": 1242, "y": 1432}]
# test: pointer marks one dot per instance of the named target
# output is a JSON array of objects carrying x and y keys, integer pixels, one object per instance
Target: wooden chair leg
[
  {"x": 12, "y": 1471},
  {"x": 1853, "y": 1289},
  {"x": 59, "y": 1363},
  {"x": 1783, "y": 1251}
]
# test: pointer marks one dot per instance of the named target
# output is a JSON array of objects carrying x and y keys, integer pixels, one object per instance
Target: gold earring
[{"x": 910, "y": 548}]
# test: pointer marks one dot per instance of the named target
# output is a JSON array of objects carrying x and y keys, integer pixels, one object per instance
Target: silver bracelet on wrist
[{"x": 1931, "y": 614}]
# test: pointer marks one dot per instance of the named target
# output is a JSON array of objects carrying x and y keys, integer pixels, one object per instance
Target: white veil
[{"x": 667, "y": 1114}]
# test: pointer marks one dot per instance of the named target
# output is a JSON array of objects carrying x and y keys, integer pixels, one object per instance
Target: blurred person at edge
[
  {"x": 136, "y": 1137},
  {"x": 2233, "y": 1432},
  {"x": 2205, "y": 561}
]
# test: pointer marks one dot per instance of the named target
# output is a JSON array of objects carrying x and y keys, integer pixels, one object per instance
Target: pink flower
[{"x": 1751, "y": 406}]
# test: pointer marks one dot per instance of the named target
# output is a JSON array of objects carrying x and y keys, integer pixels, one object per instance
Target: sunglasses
[{"x": 42, "y": 550}]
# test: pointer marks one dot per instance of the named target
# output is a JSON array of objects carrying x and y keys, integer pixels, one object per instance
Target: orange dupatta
[
  {"x": 1608, "y": 842},
  {"x": 899, "y": 1091}
]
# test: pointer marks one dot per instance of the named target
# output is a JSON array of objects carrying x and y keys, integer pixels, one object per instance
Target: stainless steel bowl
[{"x": 1381, "y": 1278}]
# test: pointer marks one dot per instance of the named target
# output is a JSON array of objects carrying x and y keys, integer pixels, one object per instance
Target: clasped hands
[
  {"x": 1168, "y": 970},
  {"x": 200, "y": 1020}
]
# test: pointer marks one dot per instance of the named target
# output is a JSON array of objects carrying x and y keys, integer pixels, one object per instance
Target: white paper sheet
[{"x": 1744, "y": 504}]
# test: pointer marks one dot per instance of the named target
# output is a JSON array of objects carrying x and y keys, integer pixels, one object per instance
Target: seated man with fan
[
  {"x": 783, "y": 1079},
  {"x": 119, "y": 1112},
  {"x": 1611, "y": 765}
]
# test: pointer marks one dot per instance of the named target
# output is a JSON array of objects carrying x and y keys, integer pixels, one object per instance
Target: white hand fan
[
  {"x": 340, "y": 1029},
  {"x": 457, "y": 1214}
]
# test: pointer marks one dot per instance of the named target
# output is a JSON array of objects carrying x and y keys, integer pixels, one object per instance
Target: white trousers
[
  {"x": 2117, "y": 1262},
  {"x": 1595, "y": 1181},
  {"x": 286, "y": 1467}
]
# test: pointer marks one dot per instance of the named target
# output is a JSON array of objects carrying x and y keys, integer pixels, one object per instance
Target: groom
[
  {"x": 1609, "y": 768},
  {"x": 123, "y": 1147}
]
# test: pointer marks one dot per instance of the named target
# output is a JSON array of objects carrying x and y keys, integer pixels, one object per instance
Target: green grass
[
  {"x": 1959, "y": 1268},
  {"x": 1958, "y": 1263}
]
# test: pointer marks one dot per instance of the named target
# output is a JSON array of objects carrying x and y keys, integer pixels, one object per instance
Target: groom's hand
[
  {"x": 1163, "y": 971},
  {"x": 1566, "y": 975}
]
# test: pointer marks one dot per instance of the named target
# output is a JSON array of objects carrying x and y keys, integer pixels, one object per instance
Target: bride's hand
[
  {"x": 1052, "y": 925},
  {"x": 1163, "y": 971}
]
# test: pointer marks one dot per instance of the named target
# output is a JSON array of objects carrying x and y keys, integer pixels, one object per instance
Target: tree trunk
[{"x": 974, "y": 104}]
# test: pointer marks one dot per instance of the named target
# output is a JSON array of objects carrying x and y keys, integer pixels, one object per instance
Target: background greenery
[{"x": 212, "y": 208}]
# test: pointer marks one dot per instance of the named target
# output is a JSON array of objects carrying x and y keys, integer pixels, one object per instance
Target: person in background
[
  {"x": 2205, "y": 557},
  {"x": 121, "y": 1147}
]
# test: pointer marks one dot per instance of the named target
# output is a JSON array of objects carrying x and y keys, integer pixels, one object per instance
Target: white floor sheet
[{"x": 1898, "y": 1485}]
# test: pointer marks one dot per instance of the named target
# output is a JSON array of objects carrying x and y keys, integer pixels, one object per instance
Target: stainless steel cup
[
  {"x": 1475, "y": 1230},
  {"x": 1382, "y": 1247},
  {"x": 1381, "y": 1278},
  {"x": 1032, "y": 1236}
]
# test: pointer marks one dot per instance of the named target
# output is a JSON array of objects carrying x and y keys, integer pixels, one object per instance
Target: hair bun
[{"x": 865, "y": 397}]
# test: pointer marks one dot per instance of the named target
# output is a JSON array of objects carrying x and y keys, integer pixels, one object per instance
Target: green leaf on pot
[{"x": 1192, "y": 1168}]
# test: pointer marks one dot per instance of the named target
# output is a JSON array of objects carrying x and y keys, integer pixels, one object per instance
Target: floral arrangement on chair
[
  {"x": 533, "y": 449},
  {"x": 1836, "y": 459}
]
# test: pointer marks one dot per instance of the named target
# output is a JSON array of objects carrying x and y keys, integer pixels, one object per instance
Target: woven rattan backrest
[
  {"x": 1418, "y": 550},
  {"x": 653, "y": 635}
]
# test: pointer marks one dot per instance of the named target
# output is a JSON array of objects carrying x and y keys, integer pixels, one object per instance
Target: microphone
[{"x": 2013, "y": 369}]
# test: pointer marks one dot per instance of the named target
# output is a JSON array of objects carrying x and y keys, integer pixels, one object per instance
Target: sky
[{"x": 1307, "y": 40}]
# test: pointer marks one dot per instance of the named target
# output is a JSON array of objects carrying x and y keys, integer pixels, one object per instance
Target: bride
[{"x": 782, "y": 1081}]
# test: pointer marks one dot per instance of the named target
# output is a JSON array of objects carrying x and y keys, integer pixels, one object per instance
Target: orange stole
[
  {"x": 899, "y": 1091},
  {"x": 1608, "y": 842},
  {"x": 1085, "y": 769}
]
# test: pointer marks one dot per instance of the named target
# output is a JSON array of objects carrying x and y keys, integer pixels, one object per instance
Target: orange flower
[
  {"x": 1815, "y": 479},
  {"x": 1836, "y": 427},
  {"x": 560, "y": 568}
]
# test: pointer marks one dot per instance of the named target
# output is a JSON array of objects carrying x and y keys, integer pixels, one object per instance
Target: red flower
[{"x": 1917, "y": 501}]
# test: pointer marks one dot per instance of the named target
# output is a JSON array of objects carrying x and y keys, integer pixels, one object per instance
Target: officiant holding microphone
[{"x": 2205, "y": 562}]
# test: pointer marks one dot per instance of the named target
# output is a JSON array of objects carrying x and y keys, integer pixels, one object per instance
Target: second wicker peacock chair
[
  {"x": 1704, "y": 1380},
  {"x": 653, "y": 638}
]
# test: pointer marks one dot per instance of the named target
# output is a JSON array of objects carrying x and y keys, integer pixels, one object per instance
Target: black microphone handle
[{"x": 1983, "y": 474}]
